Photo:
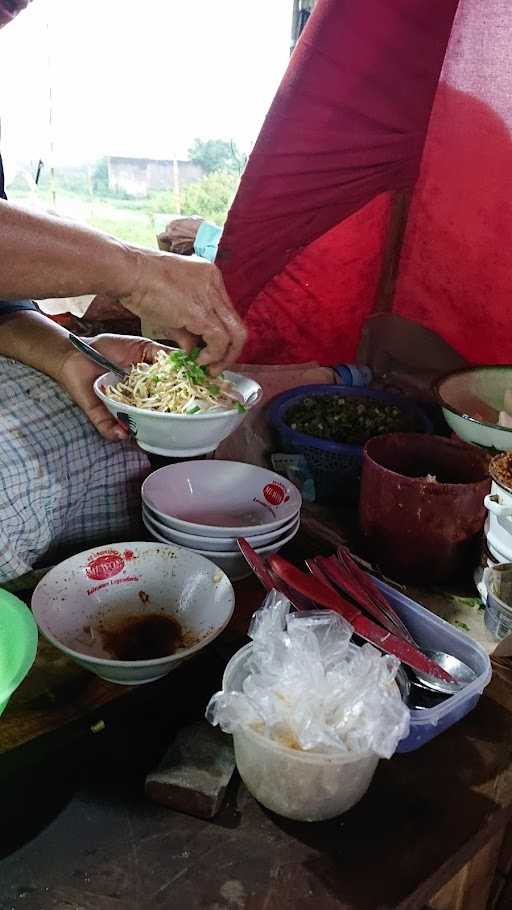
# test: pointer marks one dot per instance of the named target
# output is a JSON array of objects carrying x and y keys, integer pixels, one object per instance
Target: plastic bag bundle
[{"x": 308, "y": 688}]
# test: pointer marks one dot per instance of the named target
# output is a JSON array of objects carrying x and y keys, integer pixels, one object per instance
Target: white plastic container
[
  {"x": 304, "y": 786},
  {"x": 498, "y": 528},
  {"x": 498, "y": 608}
]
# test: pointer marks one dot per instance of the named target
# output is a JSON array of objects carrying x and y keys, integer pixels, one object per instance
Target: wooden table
[{"x": 427, "y": 835}]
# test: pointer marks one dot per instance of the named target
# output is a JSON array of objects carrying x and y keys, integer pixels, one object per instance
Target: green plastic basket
[{"x": 18, "y": 644}]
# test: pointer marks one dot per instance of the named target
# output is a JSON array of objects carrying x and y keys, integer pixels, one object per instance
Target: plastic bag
[{"x": 309, "y": 688}]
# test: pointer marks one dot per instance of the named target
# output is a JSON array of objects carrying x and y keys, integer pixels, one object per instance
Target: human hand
[
  {"x": 77, "y": 374},
  {"x": 179, "y": 235},
  {"x": 103, "y": 308},
  {"x": 185, "y": 300}
]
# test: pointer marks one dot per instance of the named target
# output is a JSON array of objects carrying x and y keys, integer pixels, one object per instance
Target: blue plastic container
[
  {"x": 430, "y": 631},
  {"x": 353, "y": 375},
  {"x": 335, "y": 466}
]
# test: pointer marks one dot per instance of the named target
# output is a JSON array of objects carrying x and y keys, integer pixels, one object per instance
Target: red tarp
[
  {"x": 347, "y": 124},
  {"x": 456, "y": 267}
]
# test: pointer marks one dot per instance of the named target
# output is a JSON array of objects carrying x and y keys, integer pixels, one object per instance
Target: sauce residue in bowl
[{"x": 139, "y": 637}]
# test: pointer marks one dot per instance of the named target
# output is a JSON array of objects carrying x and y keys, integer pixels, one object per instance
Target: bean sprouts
[{"x": 175, "y": 384}]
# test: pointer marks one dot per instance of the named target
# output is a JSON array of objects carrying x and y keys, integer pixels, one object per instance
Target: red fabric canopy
[
  {"x": 347, "y": 125},
  {"x": 456, "y": 267}
]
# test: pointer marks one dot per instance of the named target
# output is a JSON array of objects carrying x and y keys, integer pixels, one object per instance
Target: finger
[
  {"x": 186, "y": 340},
  {"x": 216, "y": 343},
  {"x": 106, "y": 425},
  {"x": 164, "y": 243},
  {"x": 237, "y": 337},
  {"x": 208, "y": 328},
  {"x": 149, "y": 350},
  {"x": 233, "y": 324}
]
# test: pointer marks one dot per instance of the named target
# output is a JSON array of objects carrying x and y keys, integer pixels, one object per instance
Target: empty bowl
[
  {"x": 472, "y": 399},
  {"x": 180, "y": 435},
  {"x": 197, "y": 541},
  {"x": 220, "y": 498},
  {"x": 234, "y": 564},
  {"x": 132, "y": 612}
]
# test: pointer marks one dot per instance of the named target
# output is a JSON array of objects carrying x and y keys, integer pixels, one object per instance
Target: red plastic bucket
[{"x": 422, "y": 505}]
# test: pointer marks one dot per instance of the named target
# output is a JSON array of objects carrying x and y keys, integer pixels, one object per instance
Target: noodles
[{"x": 174, "y": 384}]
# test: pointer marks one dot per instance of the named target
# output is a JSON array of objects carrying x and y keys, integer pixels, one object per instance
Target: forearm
[
  {"x": 35, "y": 340},
  {"x": 43, "y": 256}
]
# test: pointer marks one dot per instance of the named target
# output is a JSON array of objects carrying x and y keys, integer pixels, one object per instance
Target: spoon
[
  {"x": 98, "y": 358},
  {"x": 461, "y": 673}
]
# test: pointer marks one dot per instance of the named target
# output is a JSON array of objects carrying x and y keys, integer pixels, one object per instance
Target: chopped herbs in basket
[
  {"x": 175, "y": 384},
  {"x": 349, "y": 420}
]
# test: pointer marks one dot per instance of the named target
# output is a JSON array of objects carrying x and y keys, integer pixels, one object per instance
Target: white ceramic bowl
[
  {"x": 307, "y": 786},
  {"x": 234, "y": 564},
  {"x": 471, "y": 400},
  {"x": 180, "y": 435},
  {"x": 220, "y": 498},
  {"x": 225, "y": 544},
  {"x": 99, "y": 588}
]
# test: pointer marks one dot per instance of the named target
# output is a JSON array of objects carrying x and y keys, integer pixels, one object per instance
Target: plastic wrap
[{"x": 308, "y": 688}]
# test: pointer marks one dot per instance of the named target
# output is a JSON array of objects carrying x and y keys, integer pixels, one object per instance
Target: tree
[
  {"x": 217, "y": 155},
  {"x": 210, "y": 197},
  {"x": 100, "y": 177}
]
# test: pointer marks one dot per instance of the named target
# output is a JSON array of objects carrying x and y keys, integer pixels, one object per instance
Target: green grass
[
  {"x": 136, "y": 230},
  {"x": 132, "y": 219}
]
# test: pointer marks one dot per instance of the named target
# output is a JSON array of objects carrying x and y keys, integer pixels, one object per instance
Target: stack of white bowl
[{"x": 205, "y": 506}]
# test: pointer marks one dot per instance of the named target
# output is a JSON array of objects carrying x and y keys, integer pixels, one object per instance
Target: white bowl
[
  {"x": 307, "y": 786},
  {"x": 106, "y": 584},
  {"x": 225, "y": 544},
  {"x": 471, "y": 400},
  {"x": 220, "y": 498},
  {"x": 234, "y": 564},
  {"x": 180, "y": 435}
]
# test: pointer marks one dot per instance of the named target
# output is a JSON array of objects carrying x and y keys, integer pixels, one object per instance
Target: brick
[{"x": 195, "y": 772}]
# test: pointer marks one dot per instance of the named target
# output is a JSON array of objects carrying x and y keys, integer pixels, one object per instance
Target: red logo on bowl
[
  {"x": 275, "y": 493},
  {"x": 105, "y": 565}
]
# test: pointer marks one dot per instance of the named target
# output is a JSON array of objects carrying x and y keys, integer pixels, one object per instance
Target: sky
[{"x": 135, "y": 78}]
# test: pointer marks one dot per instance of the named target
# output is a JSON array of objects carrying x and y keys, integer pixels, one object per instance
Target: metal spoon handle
[{"x": 98, "y": 358}]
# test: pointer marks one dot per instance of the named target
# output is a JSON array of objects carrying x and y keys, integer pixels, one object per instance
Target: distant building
[{"x": 140, "y": 176}]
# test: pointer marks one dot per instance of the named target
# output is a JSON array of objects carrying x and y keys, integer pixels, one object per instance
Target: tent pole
[{"x": 398, "y": 217}]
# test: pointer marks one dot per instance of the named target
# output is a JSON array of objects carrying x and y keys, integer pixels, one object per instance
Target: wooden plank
[
  {"x": 505, "y": 858},
  {"x": 425, "y": 817},
  {"x": 57, "y": 695},
  {"x": 471, "y": 888},
  {"x": 504, "y": 899}
]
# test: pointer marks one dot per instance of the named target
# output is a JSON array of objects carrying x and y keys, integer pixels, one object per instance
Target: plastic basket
[{"x": 335, "y": 466}]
